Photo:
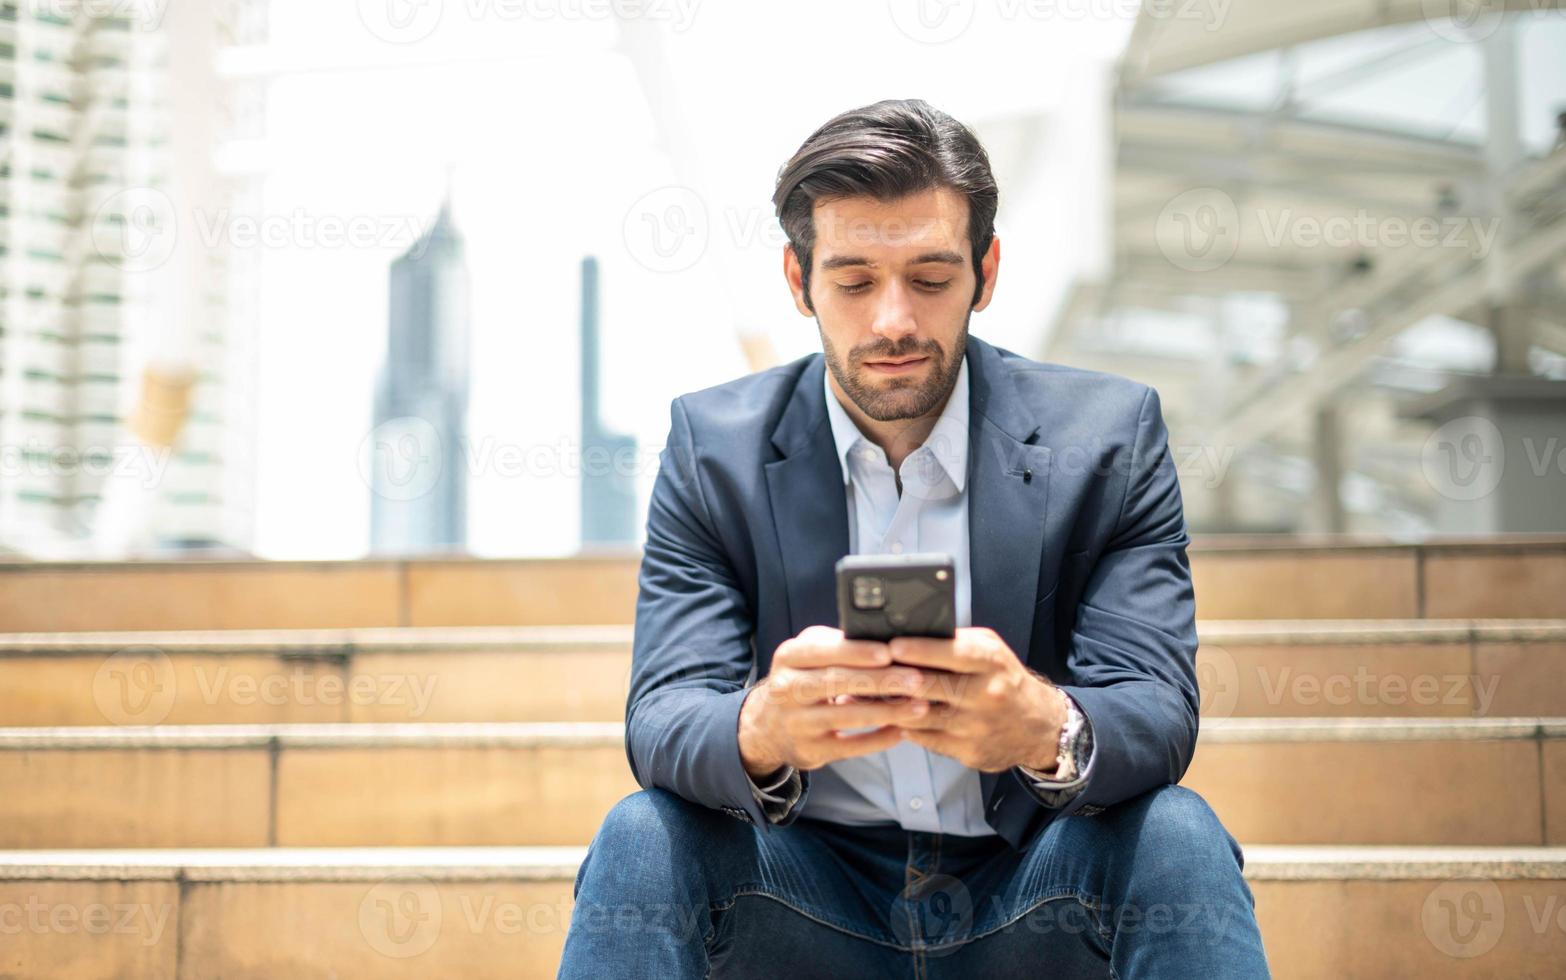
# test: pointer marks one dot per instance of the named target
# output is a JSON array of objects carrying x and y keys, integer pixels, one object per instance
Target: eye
[
  {"x": 855, "y": 287},
  {"x": 932, "y": 286}
]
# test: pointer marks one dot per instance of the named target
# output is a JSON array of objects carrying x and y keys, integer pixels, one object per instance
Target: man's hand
[
  {"x": 821, "y": 683},
  {"x": 988, "y": 711}
]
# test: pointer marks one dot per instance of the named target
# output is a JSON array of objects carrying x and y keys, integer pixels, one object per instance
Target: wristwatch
[{"x": 1066, "y": 753}]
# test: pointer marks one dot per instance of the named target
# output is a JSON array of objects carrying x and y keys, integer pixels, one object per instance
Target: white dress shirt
[{"x": 907, "y": 783}]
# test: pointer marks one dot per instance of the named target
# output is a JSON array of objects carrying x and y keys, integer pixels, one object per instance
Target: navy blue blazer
[{"x": 1077, "y": 552}]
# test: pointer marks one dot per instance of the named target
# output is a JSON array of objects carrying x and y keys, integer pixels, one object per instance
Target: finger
[
  {"x": 827, "y": 647},
  {"x": 826, "y": 683},
  {"x": 846, "y": 746},
  {"x": 935, "y": 741},
  {"x": 859, "y": 714},
  {"x": 927, "y": 651},
  {"x": 937, "y": 717}
]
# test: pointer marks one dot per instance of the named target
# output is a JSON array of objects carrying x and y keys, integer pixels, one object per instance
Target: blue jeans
[{"x": 1150, "y": 887}]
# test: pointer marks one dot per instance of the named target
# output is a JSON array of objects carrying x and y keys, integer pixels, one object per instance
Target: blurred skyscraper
[
  {"x": 608, "y": 472},
  {"x": 125, "y": 400},
  {"x": 419, "y": 483}
]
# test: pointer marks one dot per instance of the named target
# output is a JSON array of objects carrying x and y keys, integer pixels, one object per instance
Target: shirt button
[
  {"x": 897, "y": 547},
  {"x": 915, "y": 803}
]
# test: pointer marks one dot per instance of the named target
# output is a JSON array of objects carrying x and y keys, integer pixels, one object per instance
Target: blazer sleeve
[
  {"x": 692, "y": 648},
  {"x": 1132, "y": 658}
]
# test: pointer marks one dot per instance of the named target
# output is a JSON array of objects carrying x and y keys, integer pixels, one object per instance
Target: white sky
[{"x": 552, "y": 142}]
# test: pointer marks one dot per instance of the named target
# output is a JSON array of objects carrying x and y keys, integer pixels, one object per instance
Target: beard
[{"x": 897, "y": 396}]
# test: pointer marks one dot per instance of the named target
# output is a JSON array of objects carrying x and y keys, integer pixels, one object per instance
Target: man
[{"x": 996, "y": 804}]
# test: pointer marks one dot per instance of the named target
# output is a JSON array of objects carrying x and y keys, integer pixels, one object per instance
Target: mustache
[{"x": 875, "y": 355}]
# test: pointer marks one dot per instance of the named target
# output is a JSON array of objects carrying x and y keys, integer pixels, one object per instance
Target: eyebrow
[{"x": 846, "y": 261}]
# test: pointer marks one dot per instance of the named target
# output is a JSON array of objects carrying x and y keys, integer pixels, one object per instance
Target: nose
[{"x": 894, "y": 312}]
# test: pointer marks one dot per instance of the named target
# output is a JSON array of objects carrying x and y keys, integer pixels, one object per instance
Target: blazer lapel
[
  {"x": 809, "y": 504},
  {"x": 1008, "y": 490}
]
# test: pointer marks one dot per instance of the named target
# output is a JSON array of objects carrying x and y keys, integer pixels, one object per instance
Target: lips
[{"x": 896, "y": 367}]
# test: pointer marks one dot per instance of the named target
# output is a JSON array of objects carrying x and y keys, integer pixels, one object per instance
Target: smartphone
[{"x": 882, "y": 596}]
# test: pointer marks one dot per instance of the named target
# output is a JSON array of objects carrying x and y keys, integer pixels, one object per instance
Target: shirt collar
[{"x": 947, "y": 441}]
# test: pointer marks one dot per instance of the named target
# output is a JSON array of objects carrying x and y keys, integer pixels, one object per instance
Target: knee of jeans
[
  {"x": 1179, "y": 824},
  {"x": 646, "y": 836},
  {"x": 1174, "y": 825},
  {"x": 652, "y": 820}
]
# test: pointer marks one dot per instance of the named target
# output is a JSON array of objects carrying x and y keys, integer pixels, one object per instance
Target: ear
[
  {"x": 793, "y": 273},
  {"x": 991, "y": 267}
]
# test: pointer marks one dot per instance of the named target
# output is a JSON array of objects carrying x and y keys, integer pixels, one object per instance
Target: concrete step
[
  {"x": 1306, "y": 781},
  {"x": 482, "y": 912},
  {"x": 1249, "y": 578},
  {"x": 409, "y": 674},
  {"x": 1388, "y": 668},
  {"x": 1279, "y": 668}
]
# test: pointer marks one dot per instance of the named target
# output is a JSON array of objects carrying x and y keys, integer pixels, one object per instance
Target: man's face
[{"x": 894, "y": 281}]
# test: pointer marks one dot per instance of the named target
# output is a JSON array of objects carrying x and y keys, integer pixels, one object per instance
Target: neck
[{"x": 898, "y": 437}]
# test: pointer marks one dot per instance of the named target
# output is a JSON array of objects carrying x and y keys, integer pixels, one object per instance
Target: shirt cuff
[{"x": 779, "y": 796}]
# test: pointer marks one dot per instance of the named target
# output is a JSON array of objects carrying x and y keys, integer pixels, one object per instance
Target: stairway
[{"x": 389, "y": 769}]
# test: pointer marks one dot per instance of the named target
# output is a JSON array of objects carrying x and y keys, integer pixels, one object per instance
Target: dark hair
[{"x": 887, "y": 150}]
